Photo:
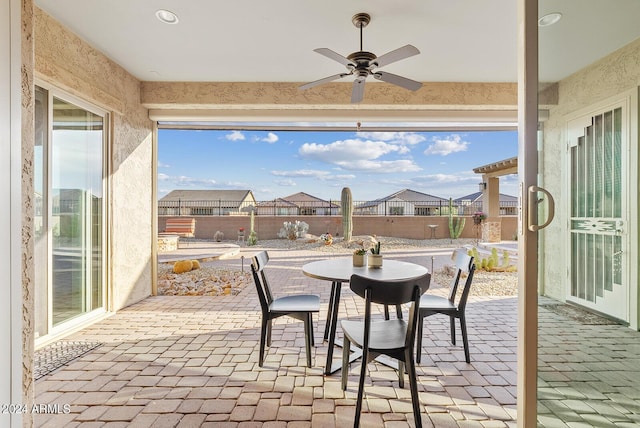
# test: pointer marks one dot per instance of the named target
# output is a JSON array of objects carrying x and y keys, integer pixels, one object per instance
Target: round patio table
[{"x": 339, "y": 271}]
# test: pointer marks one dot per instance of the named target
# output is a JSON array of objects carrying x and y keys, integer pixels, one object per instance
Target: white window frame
[{"x": 76, "y": 323}]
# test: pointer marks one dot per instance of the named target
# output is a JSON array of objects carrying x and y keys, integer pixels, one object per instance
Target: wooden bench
[{"x": 185, "y": 227}]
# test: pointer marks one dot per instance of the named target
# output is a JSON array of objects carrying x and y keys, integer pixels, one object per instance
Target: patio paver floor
[{"x": 192, "y": 361}]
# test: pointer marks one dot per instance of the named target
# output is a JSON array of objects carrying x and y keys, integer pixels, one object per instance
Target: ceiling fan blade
[
  {"x": 334, "y": 56},
  {"x": 321, "y": 81},
  {"x": 396, "y": 55},
  {"x": 394, "y": 79},
  {"x": 357, "y": 92}
]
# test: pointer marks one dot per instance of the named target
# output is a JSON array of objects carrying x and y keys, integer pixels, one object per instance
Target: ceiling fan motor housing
[{"x": 362, "y": 59}]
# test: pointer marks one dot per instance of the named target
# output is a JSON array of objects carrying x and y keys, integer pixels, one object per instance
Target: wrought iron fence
[{"x": 326, "y": 208}]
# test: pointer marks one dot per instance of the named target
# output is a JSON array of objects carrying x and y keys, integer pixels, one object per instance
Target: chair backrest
[
  {"x": 391, "y": 293},
  {"x": 464, "y": 264},
  {"x": 258, "y": 262}
]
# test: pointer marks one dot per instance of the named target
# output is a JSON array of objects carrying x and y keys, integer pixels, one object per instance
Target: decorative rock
[
  {"x": 182, "y": 266},
  {"x": 206, "y": 281}
]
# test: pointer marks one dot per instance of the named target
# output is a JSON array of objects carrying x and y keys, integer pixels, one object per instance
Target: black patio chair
[
  {"x": 393, "y": 338},
  {"x": 298, "y": 306},
  {"x": 431, "y": 305}
]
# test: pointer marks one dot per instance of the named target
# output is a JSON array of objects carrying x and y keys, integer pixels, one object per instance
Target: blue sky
[{"x": 274, "y": 164}]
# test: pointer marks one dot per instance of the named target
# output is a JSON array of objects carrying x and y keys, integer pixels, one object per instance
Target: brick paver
[{"x": 192, "y": 361}]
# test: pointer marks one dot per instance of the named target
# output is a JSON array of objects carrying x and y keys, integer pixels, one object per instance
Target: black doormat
[
  {"x": 580, "y": 315},
  {"x": 58, "y": 354}
]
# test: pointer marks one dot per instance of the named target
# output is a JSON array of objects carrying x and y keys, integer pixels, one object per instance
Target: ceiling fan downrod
[{"x": 361, "y": 20}]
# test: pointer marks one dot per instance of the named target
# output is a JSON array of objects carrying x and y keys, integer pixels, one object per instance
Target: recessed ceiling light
[
  {"x": 549, "y": 19},
  {"x": 167, "y": 16}
]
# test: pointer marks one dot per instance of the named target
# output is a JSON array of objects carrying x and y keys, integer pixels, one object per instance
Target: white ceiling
[{"x": 273, "y": 41}]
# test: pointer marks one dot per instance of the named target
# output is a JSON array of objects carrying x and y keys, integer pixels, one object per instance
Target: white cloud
[
  {"x": 301, "y": 173},
  {"x": 313, "y": 173},
  {"x": 235, "y": 136},
  {"x": 380, "y": 166},
  {"x": 409, "y": 138},
  {"x": 343, "y": 177},
  {"x": 347, "y": 150},
  {"x": 358, "y": 155},
  {"x": 163, "y": 165},
  {"x": 286, "y": 183},
  {"x": 445, "y": 146},
  {"x": 270, "y": 138},
  {"x": 448, "y": 178},
  {"x": 173, "y": 182}
]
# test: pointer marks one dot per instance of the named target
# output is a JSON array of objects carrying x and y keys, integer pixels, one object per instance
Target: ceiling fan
[{"x": 362, "y": 64}]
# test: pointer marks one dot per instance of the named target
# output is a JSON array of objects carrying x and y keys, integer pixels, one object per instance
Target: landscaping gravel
[{"x": 213, "y": 279}]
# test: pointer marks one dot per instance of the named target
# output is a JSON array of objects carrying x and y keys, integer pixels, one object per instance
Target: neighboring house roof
[
  {"x": 279, "y": 202},
  {"x": 405, "y": 195},
  {"x": 208, "y": 195},
  {"x": 477, "y": 196},
  {"x": 302, "y": 197}
]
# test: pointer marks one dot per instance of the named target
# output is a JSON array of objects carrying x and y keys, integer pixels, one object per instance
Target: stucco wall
[
  {"x": 69, "y": 63},
  {"x": 611, "y": 76},
  {"x": 412, "y": 227},
  {"x": 27, "y": 267}
]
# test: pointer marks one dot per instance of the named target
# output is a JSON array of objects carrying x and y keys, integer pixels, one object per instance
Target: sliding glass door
[{"x": 70, "y": 237}]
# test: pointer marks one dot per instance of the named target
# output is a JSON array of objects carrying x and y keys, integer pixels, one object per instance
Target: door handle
[{"x": 533, "y": 204}]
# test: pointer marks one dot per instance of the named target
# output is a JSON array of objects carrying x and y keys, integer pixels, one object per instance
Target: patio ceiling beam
[{"x": 217, "y": 94}]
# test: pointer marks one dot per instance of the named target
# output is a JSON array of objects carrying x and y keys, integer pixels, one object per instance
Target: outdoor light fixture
[
  {"x": 549, "y": 19},
  {"x": 482, "y": 186},
  {"x": 167, "y": 16}
]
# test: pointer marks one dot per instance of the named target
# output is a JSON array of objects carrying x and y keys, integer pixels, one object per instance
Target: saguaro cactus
[
  {"x": 346, "y": 203},
  {"x": 455, "y": 226}
]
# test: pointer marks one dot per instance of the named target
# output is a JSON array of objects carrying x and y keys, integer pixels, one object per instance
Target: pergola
[{"x": 490, "y": 188}]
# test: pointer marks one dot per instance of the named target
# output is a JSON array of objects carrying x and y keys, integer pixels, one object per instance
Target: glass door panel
[
  {"x": 588, "y": 289},
  {"x": 40, "y": 218},
  {"x": 76, "y": 222}
]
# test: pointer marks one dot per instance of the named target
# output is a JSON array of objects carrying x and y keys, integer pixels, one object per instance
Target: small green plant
[
  {"x": 494, "y": 257},
  {"x": 491, "y": 263},
  {"x": 252, "y": 239},
  {"x": 505, "y": 259},
  {"x": 376, "y": 248},
  {"x": 293, "y": 231},
  {"x": 360, "y": 252}
]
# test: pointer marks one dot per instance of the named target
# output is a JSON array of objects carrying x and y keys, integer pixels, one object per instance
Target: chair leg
[
  {"x": 263, "y": 339},
  {"x": 363, "y": 373},
  {"x": 413, "y": 385},
  {"x": 419, "y": 344},
  {"x": 308, "y": 334},
  {"x": 313, "y": 342},
  {"x": 465, "y": 341},
  {"x": 269, "y": 333},
  {"x": 452, "y": 322},
  {"x": 400, "y": 374},
  {"x": 346, "y": 353}
]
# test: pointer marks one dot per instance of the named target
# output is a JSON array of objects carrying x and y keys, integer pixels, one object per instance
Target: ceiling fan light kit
[{"x": 362, "y": 64}]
